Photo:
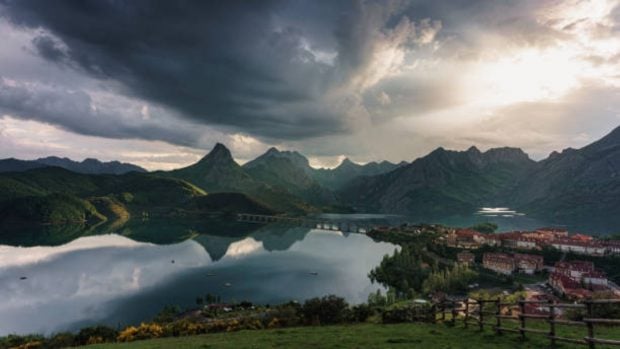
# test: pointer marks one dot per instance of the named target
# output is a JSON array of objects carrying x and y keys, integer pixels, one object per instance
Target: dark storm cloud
[
  {"x": 48, "y": 48},
  {"x": 219, "y": 62},
  {"x": 76, "y": 111},
  {"x": 325, "y": 76}
]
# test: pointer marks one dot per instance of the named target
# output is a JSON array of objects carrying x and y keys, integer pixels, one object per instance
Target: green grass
[{"x": 365, "y": 336}]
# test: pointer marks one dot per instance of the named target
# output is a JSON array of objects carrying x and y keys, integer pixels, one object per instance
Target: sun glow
[{"x": 528, "y": 75}]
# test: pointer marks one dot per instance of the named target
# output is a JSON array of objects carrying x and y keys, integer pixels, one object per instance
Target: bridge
[{"x": 345, "y": 226}]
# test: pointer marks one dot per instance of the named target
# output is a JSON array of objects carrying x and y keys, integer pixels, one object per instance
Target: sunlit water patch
[{"x": 499, "y": 212}]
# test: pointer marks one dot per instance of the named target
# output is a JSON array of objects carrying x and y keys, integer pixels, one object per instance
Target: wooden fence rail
[{"x": 474, "y": 312}]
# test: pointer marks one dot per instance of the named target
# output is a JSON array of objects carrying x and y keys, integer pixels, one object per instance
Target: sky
[{"x": 158, "y": 83}]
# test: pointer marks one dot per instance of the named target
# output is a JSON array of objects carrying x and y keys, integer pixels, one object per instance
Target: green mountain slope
[
  {"x": 348, "y": 171},
  {"x": 52, "y": 208},
  {"x": 442, "y": 183},
  {"x": 54, "y": 195},
  {"x": 218, "y": 172},
  {"x": 576, "y": 185},
  {"x": 289, "y": 171}
]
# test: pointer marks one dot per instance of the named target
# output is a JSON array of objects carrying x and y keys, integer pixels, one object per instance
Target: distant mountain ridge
[
  {"x": 87, "y": 166},
  {"x": 443, "y": 181},
  {"x": 576, "y": 184},
  {"x": 347, "y": 171},
  {"x": 290, "y": 171}
]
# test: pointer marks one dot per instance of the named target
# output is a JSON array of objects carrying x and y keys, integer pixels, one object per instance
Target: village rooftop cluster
[
  {"x": 573, "y": 280},
  {"x": 534, "y": 240}
]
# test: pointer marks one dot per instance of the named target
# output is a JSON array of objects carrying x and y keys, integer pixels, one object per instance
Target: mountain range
[
  {"x": 572, "y": 185},
  {"x": 90, "y": 166}
]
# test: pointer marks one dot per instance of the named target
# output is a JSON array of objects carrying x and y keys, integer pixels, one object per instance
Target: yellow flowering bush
[
  {"x": 144, "y": 331},
  {"x": 31, "y": 345},
  {"x": 95, "y": 340},
  {"x": 274, "y": 323}
]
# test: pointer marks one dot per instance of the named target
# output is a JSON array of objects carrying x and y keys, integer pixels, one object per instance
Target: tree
[
  {"x": 327, "y": 310},
  {"x": 450, "y": 280},
  {"x": 485, "y": 228}
]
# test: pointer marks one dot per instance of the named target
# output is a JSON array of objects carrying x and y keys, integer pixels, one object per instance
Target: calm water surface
[
  {"x": 124, "y": 278},
  {"x": 115, "y": 280}
]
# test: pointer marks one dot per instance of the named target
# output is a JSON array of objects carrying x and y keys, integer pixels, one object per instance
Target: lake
[
  {"x": 117, "y": 280},
  {"x": 79, "y": 276}
]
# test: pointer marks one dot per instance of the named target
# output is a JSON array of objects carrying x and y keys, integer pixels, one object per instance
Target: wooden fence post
[
  {"x": 522, "y": 317},
  {"x": 480, "y": 315},
  {"x": 498, "y": 313},
  {"x": 552, "y": 323},
  {"x": 453, "y": 312},
  {"x": 466, "y": 312},
  {"x": 590, "y": 324}
]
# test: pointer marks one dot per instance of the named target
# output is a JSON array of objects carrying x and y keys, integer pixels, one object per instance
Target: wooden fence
[{"x": 489, "y": 313}]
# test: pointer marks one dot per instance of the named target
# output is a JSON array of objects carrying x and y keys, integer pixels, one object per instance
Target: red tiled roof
[
  {"x": 578, "y": 293},
  {"x": 582, "y": 266},
  {"x": 467, "y": 233},
  {"x": 529, "y": 257},
  {"x": 581, "y": 237},
  {"x": 566, "y": 282}
]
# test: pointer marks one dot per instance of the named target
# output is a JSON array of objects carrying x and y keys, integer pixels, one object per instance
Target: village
[{"x": 573, "y": 280}]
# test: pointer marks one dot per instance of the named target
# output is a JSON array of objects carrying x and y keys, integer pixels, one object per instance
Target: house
[
  {"x": 499, "y": 262},
  {"x": 506, "y": 264},
  {"x": 528, "y": 263},
  {"x": 595, "y": 278},
  {"x": 549, "y": 234},
  {"x": 465, "y": 257},
  {"x": 592, "y": 248},
  {"x": 465, "y": 238},
  {"x": 577, "y": 279},
  {"x": 574, "y": 269},
  {"x": 613, "y": 246},
  {"x": 519, "y": 240}
]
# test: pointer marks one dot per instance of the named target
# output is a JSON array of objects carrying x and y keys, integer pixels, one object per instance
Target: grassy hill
[
  {"x": 347, "y": 336},
  {"x": 52, "y": 208},
  {"x": 55, "y": 195}
]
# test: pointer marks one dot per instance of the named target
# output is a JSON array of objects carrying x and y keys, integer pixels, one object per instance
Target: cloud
[
  {"x": 79, "y": 112},
  {"x": 84, "y": 280},
  {"x": 234, "y": 65},
  {"x": 365, "y": 79}
]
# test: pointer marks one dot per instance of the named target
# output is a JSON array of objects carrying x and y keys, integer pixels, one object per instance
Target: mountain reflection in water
[{"x": 114, "y": 279}]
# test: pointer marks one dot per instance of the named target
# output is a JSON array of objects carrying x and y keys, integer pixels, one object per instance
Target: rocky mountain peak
[{"x": 219, "y": 154}]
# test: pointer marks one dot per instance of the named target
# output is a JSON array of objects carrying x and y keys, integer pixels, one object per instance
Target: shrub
[
  {"x": 421, "y": 312},
  {"x": 288, "y": 314},
  {"x": 360, "y": 313},
  {"x": 326, "y": 310},
  {"x": 61, "y": 340},
  {"x": 185, "y": 328},
  {"x": 274, "y": 323},
  {"x": 102, "y": 333},
  {"x": 144, "y": 331},
  {"x": 15, "y": 341}
]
